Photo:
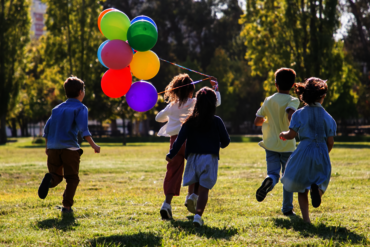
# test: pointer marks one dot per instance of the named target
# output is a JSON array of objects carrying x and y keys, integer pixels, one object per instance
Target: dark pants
[
  {"x": 175, "y": 169},
  {"x": 65, "y": 163}
]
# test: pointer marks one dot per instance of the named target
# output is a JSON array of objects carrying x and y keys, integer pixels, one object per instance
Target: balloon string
[
  {"x": 182, "y": 67},
  {"x": 195, "y": 82}
]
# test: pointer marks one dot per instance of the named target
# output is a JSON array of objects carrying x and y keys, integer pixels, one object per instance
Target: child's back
[
  {"x": 67, "y": 119},
  {"x": 274, "y": 109}
]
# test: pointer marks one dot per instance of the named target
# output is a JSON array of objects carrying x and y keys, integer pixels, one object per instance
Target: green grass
[{"x": 118, "y": 200}]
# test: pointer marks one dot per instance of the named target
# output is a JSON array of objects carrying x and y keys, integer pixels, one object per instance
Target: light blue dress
[{"x": 310, "y": 163}]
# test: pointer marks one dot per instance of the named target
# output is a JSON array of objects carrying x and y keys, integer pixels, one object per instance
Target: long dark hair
[
  {"x": 204, "y": 110},
  {"x": 181, "y": 94},
  {"x": 311, "y": 90}
]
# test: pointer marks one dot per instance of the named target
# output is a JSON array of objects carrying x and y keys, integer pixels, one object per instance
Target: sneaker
[
  {"x": 186, "y": 200},
  {"x": 197, "y": 222},
  {"x": 44, "y": 186},
  {"x": 66, "y": 211},
  {"x": 290, "y": 213},
  {"x": 192, "y": 203},
  {"x": 262, "y": 191},
  {"x": 166, "y": 211},
  {"x": 315, "y": 196}
]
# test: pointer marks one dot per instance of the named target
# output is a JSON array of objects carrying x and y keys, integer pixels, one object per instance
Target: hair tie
[{"x": 203, "y": 91}]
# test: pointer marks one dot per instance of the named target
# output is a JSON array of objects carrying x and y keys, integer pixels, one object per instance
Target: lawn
[{"x": 118, "y": 200}]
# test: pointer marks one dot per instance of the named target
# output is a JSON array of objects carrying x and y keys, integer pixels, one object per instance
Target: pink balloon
[{"x": 116, "y": 54}]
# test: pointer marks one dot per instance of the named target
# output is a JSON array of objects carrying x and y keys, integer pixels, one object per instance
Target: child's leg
[
  {"x": 303, "y": 204},
  {"x": 175, "y": 169},
  {"x": 191, "y": 189},
  {"x": 55, "y": 167},
  {"x": 273, "y": 175},
  {"x": 71, "y": 165},
  {"x": 202, "y": 199},
  {"x": 287, "y": 196}
]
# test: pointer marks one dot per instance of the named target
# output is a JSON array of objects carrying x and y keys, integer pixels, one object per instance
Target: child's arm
[
  {"x": 224, "y": 136},
  {"x": 45, "y": 135},
  {"x": 92, "y": 144},
  {"x": 82, "y": 124},
  {"x": 162, "y": 116},
  {"x": 46, "y": 146},
  {"x": 178, "y": 143},
  {"x": 288, "y": 135},
  {"x": 290, "y": 113},
  {"x": 214, "y": 84},
  {"x": 258, "y": 121},
  {"x": 330, "y": 143}
]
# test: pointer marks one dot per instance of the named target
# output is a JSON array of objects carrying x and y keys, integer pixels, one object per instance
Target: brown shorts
[{"x": 65, "y": 163}]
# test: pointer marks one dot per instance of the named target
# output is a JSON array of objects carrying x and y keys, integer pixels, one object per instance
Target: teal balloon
[
  {"x": 142, "y": 35},
  {"x": 114, "y": 25}
]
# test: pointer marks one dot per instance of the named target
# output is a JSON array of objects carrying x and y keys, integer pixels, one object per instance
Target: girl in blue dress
[{"x": 309, "y": 168}]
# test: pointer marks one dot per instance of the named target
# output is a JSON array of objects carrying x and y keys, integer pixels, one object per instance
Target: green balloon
[
  {"x": 142, "y": 35},
  {"x": 114, "y": 25}
]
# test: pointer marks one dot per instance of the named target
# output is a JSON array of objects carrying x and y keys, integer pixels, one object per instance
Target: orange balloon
[{"x": 101, "y": 16}]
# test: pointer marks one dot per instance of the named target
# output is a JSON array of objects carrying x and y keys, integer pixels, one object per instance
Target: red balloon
[
  {"x": 116, "y": 83},
  {"x": 116, "y": 54}
]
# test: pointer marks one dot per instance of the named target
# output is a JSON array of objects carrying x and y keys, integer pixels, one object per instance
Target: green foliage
[
  {"x": 14, "y": 35},
  {"x": 299, "y": 34}
]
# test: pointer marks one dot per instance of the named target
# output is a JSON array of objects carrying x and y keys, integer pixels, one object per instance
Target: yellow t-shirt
[{"x": 274, "y": 109}]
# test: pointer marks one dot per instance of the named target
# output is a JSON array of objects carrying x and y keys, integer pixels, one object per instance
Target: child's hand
[
  {"x": 96, "y": 148},
  {"x": 281, "y": 136},
  {"x": 46, "y": 151},
  {"x": 214, "y": 83},
  {"x": 168, "y": 159}
]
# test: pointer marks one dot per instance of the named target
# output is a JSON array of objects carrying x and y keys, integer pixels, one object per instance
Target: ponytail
[{"x": 311, "y": 90}]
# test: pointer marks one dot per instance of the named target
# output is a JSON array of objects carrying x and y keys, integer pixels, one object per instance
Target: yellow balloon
[{"x": 145, "y": 65}]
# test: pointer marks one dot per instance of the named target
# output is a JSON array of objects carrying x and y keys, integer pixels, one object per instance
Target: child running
[
  {"x": 204, "y": 134},
  {"x": 62, "y": 148},
  {"x": 274, "y": 116},
  {"x": 181, "y": 103},
  {"x": 309, "y": 166}
]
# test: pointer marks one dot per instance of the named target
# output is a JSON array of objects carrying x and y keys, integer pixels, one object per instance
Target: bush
[{"x": 38, "y": 141}]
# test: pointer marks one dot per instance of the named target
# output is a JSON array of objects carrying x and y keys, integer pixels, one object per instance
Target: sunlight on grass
[{"x": 118, "y": 200}]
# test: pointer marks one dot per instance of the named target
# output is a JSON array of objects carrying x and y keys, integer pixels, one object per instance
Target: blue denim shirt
[{"x": 65, "y": 121}]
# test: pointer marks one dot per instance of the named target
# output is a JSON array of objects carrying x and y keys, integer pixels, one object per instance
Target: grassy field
[{"x": 118, "y": 200}]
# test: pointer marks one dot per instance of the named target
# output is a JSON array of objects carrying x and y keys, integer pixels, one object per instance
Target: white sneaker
[
  {"x": 186, "y": 200},
  {"x": 197, "y": 222},
  {"x": 192, "y": 203},
  {"x": 166, "y": 211}
]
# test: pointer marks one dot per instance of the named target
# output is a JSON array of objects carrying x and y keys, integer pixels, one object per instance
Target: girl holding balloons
[{"x": 179, "y": 95}]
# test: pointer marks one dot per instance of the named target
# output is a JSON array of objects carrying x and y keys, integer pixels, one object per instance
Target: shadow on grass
[
  {"x": 67, "y": 223},
  {"x": 204, "y": 231},
  {"x": 138, "y": 239},
  {"x": 335, "y": 233},
  {"x": 359, "y": 146}
]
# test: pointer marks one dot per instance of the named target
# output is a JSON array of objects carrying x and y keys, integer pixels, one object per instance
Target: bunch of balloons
[{"x": 127, "y": 51}]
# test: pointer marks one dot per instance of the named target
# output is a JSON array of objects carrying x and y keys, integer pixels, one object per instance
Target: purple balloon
[{"x": 142, "y": 96}]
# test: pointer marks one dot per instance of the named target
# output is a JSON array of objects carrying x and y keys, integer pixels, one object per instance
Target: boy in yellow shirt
[{"x": 274, "y": 117}]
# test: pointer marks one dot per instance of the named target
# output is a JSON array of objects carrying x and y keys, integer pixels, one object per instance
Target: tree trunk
[
  {"x": 69, "y": 43},
  {"x": 14, "y": 127},
  {"x": 124, "y": 131},
  {"x": 82, "y": 40},
  {"x": 3, "y": 129}
]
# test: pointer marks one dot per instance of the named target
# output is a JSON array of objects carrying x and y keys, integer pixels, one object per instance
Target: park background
[{"x": 241, "y": 43}]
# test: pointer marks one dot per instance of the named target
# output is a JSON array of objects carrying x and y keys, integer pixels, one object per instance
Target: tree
[
  {"x": 14, "y": 35},
  {"x": 299, "y": 34}
]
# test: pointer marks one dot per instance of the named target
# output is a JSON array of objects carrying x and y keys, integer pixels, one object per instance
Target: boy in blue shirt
[{"x": 62, "y": 148}]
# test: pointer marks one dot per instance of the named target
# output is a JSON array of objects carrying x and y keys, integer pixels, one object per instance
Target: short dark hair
[
  {"x": 73, "y": 86},
  {"x": 285, "y": 78}
]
